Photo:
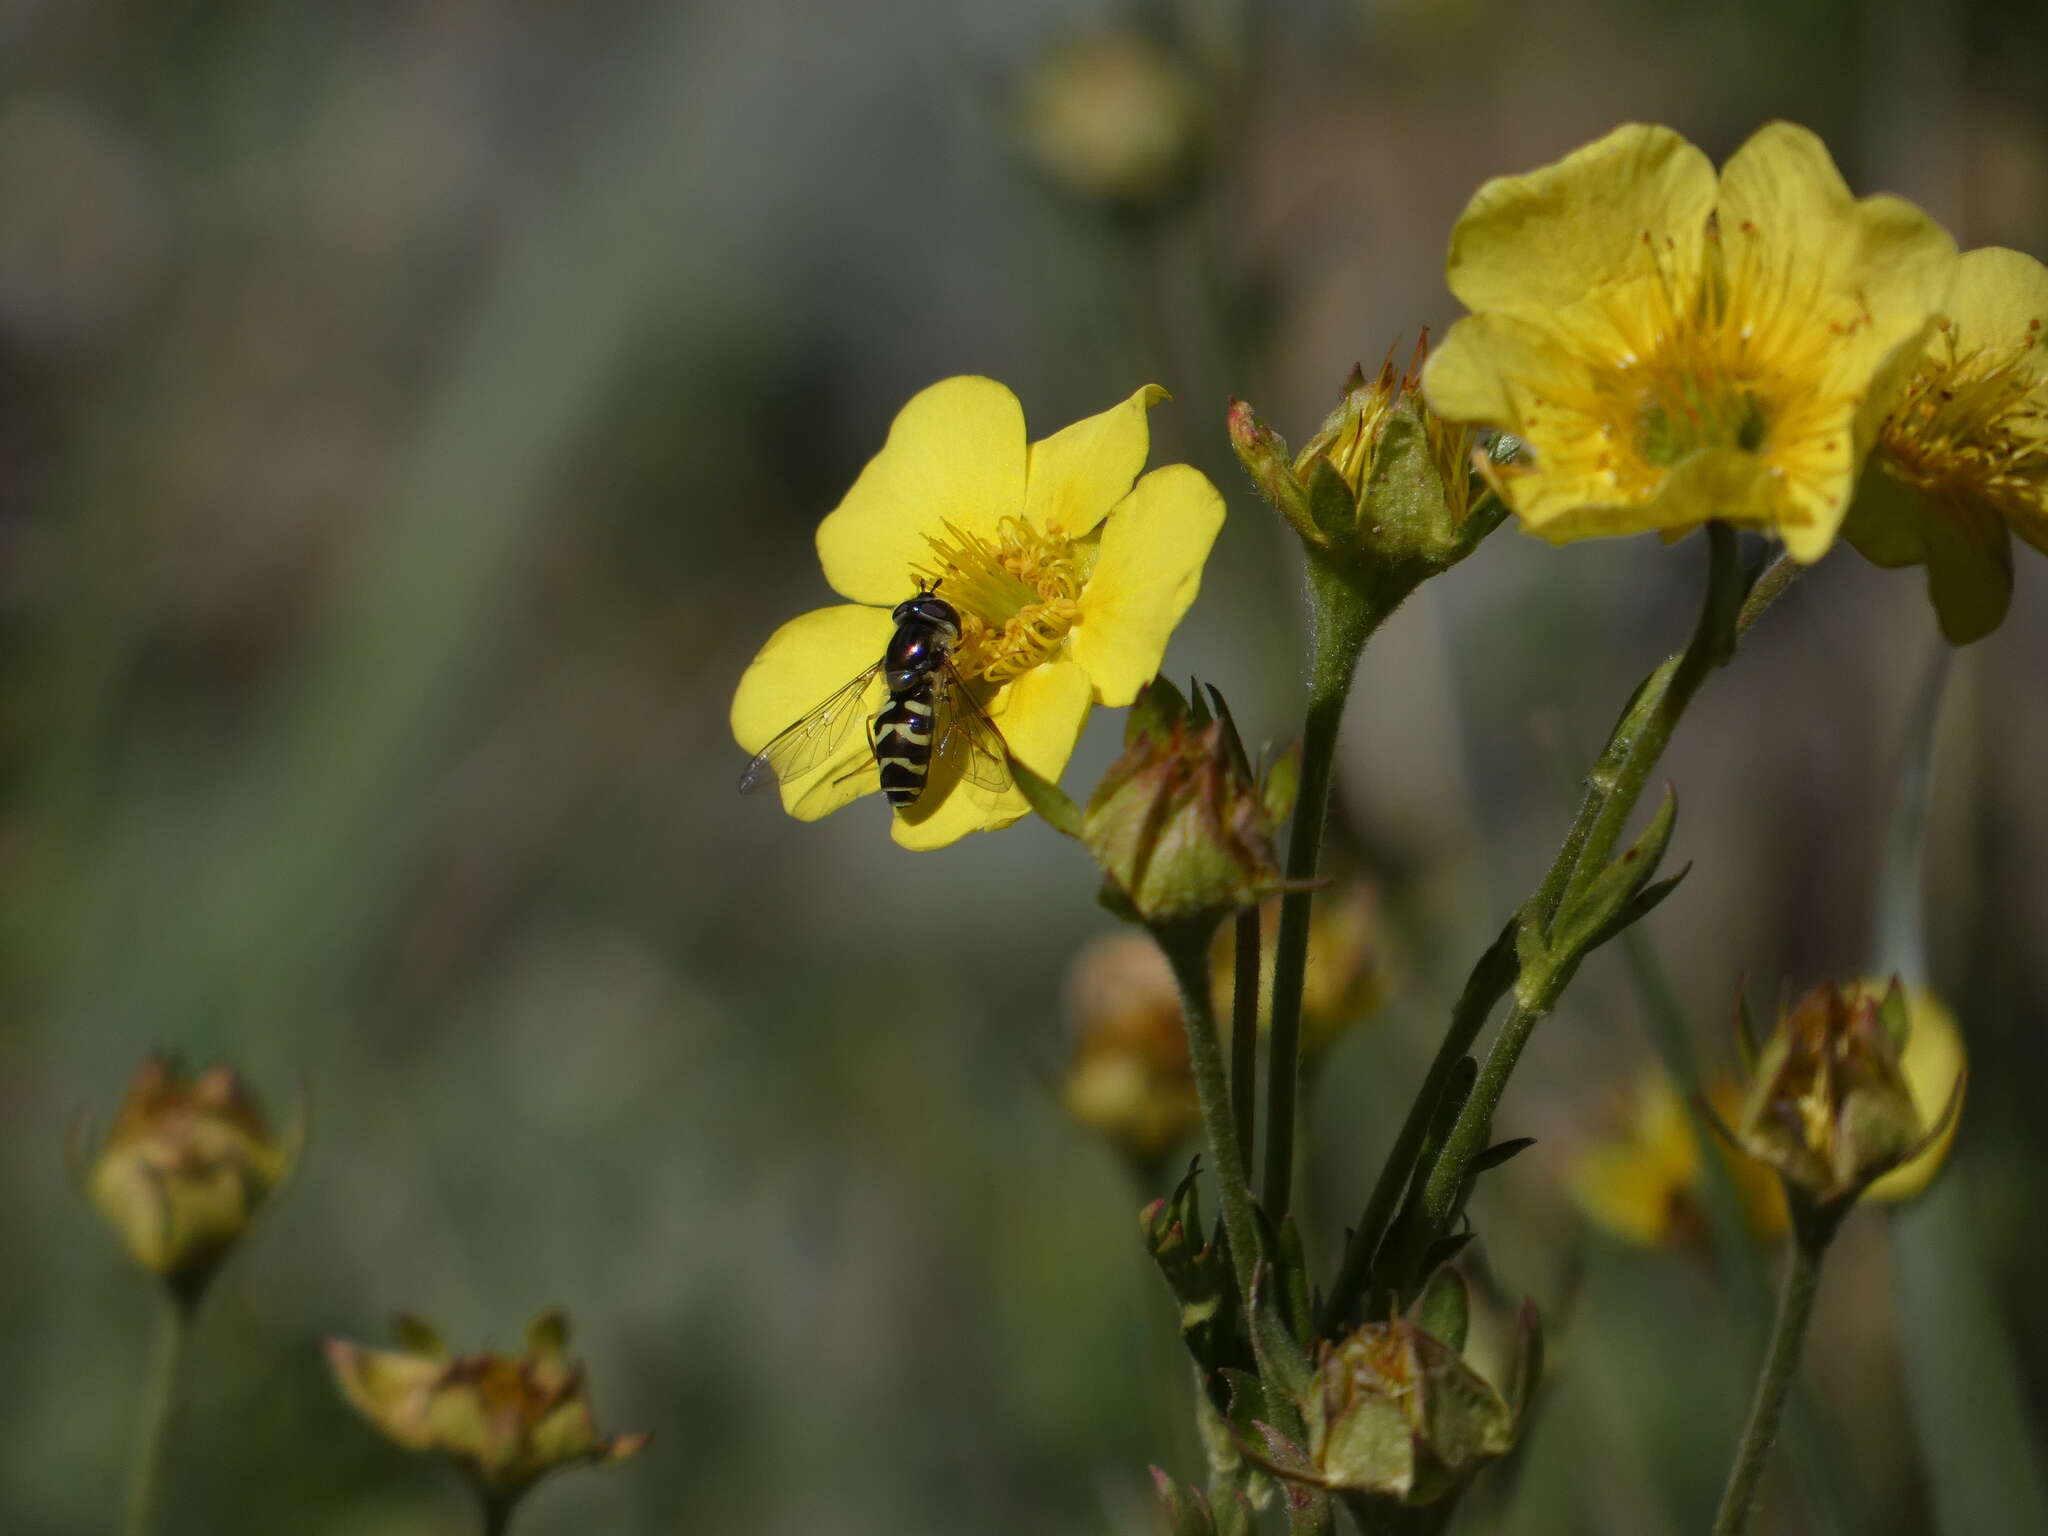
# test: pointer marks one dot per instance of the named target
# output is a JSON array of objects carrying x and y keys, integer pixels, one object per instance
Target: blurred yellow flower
[
  {"x": 1643, "y": 1183},
  {"x": 1963, "y": 456},
  {"x": 1068, "y": 567},
  {"x": 1116, "y": 119},
  {"x": 1128, "y": 1078},
  {"x": 1346, "y": 980},
  {"x": 507, "y": 1420},
  {"x": 185, "y": 1168},
  {"x": 1672, "y": 346}
]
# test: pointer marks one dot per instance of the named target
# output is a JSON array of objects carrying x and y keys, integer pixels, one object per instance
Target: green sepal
[
  {"x": 1158, "y": 707},
  {"x": 1332, "y": 506},
  {"x": 1404, "y": 507},
  {"x": 416, "y": 1337},
  {"x": 1054, "y": 805},
  {"x": 1895, "y": 1015},
  {"x": 1445, "y": 1307}
]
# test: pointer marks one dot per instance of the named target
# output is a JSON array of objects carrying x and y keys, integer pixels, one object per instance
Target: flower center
[
  {"x": 1018, "y": 594},
  {"x": 1727, "y": 356},
  {"x": 1973, "y": 425}
]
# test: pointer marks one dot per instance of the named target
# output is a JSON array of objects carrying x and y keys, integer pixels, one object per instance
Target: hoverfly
[{"x": 930, "y": 713}]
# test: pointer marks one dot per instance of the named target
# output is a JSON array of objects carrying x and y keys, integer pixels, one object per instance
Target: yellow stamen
[
  {"x": 1972, "y": 426},
  {"x": 1018, "y": 594}
]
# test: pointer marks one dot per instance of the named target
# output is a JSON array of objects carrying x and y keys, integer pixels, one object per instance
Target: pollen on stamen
[{"x": 1017, "y": 593}]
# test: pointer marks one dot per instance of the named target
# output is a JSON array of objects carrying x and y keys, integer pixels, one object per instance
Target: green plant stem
[
  {"x": 497, "y": 1513},
  {"x": 1186, "y": 946},
  {"x": 1612, "y": 789},
  {"x": 1244, "y": 1029},
  {"x": 1342, "y": 617},
  {"x": 1781, "y": 1362},
  {"x": 1488, "y": 983},
  {"x": 160, "y": 1391}
]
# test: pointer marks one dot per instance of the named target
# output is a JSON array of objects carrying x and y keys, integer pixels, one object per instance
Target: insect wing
[
  {"x": 969, "y": 739},
  {"x": 814, "y": 739}
]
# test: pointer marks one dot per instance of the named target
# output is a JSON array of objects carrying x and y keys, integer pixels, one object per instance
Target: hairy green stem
[
  {"x": 160, "y": 1391},
  {"x": 1488, "y": 983},
  {"x": 1186, "y": 946},
  {"x": 1244, "y": 1030},
  {"x": 1781, "y": 1362},
  {"x": 1612, "y": 789},
  {"x": 1342, "y": 617}
]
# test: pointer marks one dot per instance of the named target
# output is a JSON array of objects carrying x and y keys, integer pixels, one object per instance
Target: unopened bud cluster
[{"x": 185, "y": 1168}]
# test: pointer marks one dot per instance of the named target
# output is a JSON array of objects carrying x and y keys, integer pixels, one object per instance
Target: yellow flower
[
  {"x": 507, "y": 1420},
  {"x": 1069, "y": 570},
  {"x": 1672, "y": 346},
  {"x": 185, "y": 1169},
  {"x": 1643, "y": 1184},
  {"x": 1963, "y": 456}
]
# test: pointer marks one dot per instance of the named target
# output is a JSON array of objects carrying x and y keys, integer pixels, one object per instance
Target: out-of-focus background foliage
[{"x": 412, "y": 417}]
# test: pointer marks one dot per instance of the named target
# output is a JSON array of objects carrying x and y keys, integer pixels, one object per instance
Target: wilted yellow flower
[
  {"x": 1643, "y": 1184},
  {"x": 1068, "y": 568},
  {"x": 1828, "y": 1104},
  {"x": 1672, "y": 346},
  {"x": 1117, "y": 119},
  {"x": 1963, "y": 456},
  {"x": 1129, "y": 1078},
  {"x": 185, "y": 1168},
  {"x": 1346, "y": 979},
  {"x": 507, "y": 1420}
]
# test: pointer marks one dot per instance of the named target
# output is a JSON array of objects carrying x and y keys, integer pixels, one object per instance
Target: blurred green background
[{"x": 412, "y": 418}]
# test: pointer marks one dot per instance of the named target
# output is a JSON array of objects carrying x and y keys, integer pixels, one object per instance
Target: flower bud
[
  {"x": 507, "y": 1420},
  {"x": 1128, "y": 1078},
  {"x": 186, "y": 1166},
  {"x": 1828, "y": 1104},
  {"x": 1177, "y": 825},
  {"x": 1383, "y": 481},
  {"x": 1396, "y": 1414}
]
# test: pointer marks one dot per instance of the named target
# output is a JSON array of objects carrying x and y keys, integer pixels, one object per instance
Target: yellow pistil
[
  {"x": 1017, "y": 594},
  {"x": 1972, "y": 426}
]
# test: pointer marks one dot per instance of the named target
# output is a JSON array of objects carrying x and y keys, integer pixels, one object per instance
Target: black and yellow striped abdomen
[{"x": 903, "y": 742}]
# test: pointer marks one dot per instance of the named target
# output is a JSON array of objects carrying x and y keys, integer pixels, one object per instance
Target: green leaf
[{"x": 1332, "y": 505}]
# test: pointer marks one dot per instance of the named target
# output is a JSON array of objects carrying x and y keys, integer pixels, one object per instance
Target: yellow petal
[
  {"x": 1544, "y": 247},
  {"x": 803, "y": 664},
  {"x": 955, "y": 454},
  {"x": 1040, "y": 715},
  {"x": 1933, "y": 1064},
  {"x": 1146, "y": 574},
  {"x": 2000, "y": 298},
  {"x": 1495, "y": 369},
  {"x": 1075, "y": 476},
  {"x": 1963, "y": 544},
  {"x": 1877, "y": 269}
]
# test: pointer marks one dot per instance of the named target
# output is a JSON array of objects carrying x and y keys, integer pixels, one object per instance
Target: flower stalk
[
  {"x": 161, "y": 1388},
  {"x": 1186, "y": 947},
  {"x": 1344, "y": 611},
  {"x": 1781, "y": 1363}
]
